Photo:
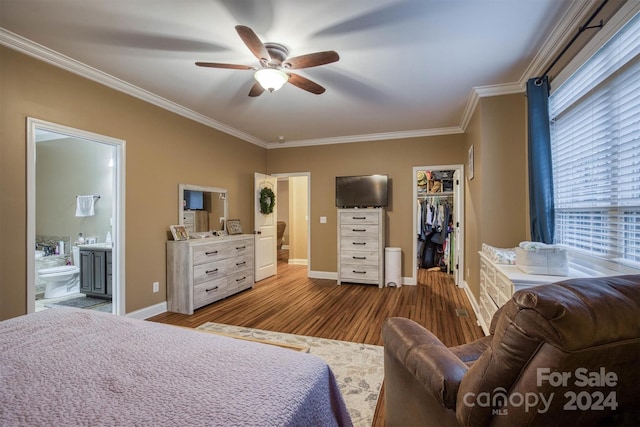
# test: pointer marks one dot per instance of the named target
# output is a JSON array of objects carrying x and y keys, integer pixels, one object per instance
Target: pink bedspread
[{"x": 71, "y": 367}]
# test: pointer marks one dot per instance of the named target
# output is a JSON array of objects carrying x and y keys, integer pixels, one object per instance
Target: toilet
[{"x": 62, "y": 280}]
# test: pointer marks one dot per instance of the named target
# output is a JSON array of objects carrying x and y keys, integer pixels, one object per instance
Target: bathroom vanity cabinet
[{"x": 96, "y": 272}]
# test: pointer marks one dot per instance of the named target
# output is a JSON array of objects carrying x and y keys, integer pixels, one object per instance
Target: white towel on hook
[{"x": 85, "y": 206}]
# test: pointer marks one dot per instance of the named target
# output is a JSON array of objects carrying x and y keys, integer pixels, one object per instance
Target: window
[{"x": 595, "y": 143}]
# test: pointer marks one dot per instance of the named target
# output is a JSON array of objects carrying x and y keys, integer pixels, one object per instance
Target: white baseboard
[
  {"x": 297, "y": 261},
  {"x": 145, "y": 313},
  {"x": 409, "y": 281},
  {"x": 473, "y": 301},
  {"x": 330, "y": 275}
]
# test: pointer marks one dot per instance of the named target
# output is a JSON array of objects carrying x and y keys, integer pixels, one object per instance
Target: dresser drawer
[
  {"x": 211, "y": 270},
  {"x": 209, "y": 292},
  {"x": 238, "y": 263},
  {"x": 241, "y": 248},
  {"x": 359, "y": 243},
  {"x": 212, "y": 252},
  {"x": 359, "y": 272},
  {"x": 240, "y": 280},
  {"x": 505, "y": 290},
  {"x": 359, "y": 257},
  {"x": 358, "y": 230},
  {"x": 359, "y": 218}
]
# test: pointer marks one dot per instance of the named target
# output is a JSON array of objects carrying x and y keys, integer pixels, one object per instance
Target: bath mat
[{"x": 80, "y": 302}]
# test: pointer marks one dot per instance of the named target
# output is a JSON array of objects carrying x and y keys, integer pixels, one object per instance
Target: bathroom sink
[
  {"x": 39, "y": 254},
  {"x": 103, "y": 245}
]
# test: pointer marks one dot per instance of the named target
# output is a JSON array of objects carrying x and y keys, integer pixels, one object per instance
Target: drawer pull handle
[
  {"x": 212, "y": 289},
  {"x": 359, "y": 257},
  {"x": 211, "y": 271},
  {"x": 211, "y": 253},
  {"x": 241, "y": 247},
  {"x": 358, "y": 217},
  {"x": 359, "y": 272},
  {"x": 359, "y": 229},
  {"x": 360, "y": 243},
  {"x": 241, "y": 263},
  {"x": 241, "y": 279}
]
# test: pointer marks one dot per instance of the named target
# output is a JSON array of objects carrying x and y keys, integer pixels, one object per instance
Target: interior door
[{"x": 265, "y": 229}]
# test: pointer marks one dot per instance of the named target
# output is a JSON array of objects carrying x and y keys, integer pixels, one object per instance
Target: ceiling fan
[{"x": 274, "y": 64}]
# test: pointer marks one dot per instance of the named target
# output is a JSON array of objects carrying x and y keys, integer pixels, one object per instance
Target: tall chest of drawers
[
  {"x": 361, "y": 246},
  {"x": 202, "y": 271}
]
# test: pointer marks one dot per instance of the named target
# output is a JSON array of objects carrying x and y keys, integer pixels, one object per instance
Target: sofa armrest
[{"x": 425, "y": 357}]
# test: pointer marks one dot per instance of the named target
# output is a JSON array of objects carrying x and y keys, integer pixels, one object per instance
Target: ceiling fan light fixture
[{"x": 271, "y": 79}]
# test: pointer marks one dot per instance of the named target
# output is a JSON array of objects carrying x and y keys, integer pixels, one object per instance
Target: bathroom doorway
[{"x": 75, "y": 196}]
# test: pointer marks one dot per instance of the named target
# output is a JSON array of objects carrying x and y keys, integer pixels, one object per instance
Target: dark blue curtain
[{"x": 540, "y": 178}]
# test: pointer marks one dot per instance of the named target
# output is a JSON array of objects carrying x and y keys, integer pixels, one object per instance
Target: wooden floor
[{"x": 292, "y": 303}]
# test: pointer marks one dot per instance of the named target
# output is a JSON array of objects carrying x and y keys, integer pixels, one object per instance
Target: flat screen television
[
  {"x": 365, "y": 191},
  {"x": 193, "y": 200}
]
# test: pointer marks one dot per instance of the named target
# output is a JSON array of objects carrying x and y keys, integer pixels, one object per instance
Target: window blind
[{"x": 595, "y": 143}]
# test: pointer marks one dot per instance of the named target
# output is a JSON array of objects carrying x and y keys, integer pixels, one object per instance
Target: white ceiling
[{"x": 407, "y": 68}]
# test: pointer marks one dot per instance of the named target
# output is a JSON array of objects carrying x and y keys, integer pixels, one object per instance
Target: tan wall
[
  {"x": 473, "y": 204},
  {"x": 162, "y": 150},
  {"x": 496, "y": 198},
  {"x": 395, "y": 158}
]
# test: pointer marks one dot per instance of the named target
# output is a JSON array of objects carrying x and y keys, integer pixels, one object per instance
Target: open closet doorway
[
  {"x": 75, "y": 184},
  {"x": 438, "y": 220},
  {"x": 293, "y": 218}
]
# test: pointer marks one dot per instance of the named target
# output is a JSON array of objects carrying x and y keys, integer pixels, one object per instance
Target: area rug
[
  {"x": 80, "y": 302},
  {"x": 358, "y": 368}
]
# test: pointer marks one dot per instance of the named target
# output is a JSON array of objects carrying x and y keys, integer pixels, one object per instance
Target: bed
[{"x": 67, "y": 366}]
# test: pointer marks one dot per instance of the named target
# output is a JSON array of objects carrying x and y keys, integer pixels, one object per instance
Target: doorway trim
[
  {"x": 308, "y": 176},
  {"x": 118, "y": 213},
  {"x": 459, "y": 209}
]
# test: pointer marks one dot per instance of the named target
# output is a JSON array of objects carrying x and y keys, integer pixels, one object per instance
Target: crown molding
[
  {"x": 573, "y": 18},
  {"x": 43, "y": 53},
  {"x": 368, "y": 137},
  {"x": 554, "y": 43}
]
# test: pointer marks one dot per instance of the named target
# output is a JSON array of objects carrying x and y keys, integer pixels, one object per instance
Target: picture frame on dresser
[
  {"x": 179, "y": 232},
  {"x": 234, "y": 227}
]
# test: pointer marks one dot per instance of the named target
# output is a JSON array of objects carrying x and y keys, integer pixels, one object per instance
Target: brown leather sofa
[{"x": 565, "y": 354}]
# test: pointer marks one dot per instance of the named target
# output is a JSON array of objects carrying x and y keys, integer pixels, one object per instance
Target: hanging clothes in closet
[{"x": 435, "y": 224}]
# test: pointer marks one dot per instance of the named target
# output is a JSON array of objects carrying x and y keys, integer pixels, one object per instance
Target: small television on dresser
[{"x": 363, "y": 191}]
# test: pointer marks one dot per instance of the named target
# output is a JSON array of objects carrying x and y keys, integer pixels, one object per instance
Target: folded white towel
[{"x": 85, "y": 206}]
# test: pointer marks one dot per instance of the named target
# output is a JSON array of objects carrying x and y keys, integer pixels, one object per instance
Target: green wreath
[{"x": 267, "y": 200}]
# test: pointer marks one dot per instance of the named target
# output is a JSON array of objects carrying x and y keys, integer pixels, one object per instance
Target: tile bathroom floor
[{"x": 45, "y": 303}]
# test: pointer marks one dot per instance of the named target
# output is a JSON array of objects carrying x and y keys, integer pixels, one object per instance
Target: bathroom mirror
[{"x": 202, "y": 209}]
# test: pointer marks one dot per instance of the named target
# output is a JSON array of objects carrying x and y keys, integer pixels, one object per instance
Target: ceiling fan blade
[
  {"x": 311, "y": 60},
  {"x": 254, "y": 44},
  {"x": 305, "y": 84},
  {"x": 256, "y": 90},
  {"x": 230, "y": 66}
]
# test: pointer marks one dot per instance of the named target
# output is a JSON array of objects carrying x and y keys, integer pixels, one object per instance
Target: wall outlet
[
  {"x": 323, "y": 220},
  {"x": 156, "y": 286}
]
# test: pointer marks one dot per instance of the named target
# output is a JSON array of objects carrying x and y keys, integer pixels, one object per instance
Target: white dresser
[
  {"x": 201, "y": 271},
  {"x": 361, "y": 246},
  {"x": 498, "y": 283}
]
